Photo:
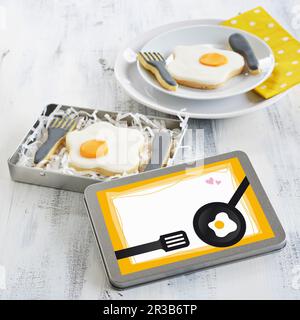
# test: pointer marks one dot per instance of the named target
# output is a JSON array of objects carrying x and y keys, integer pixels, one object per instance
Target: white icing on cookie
[
  {"x": 105, "y": 147},
  {"x": 187, "y": 66}
]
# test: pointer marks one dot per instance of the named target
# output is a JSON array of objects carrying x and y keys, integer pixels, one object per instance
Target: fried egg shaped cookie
[
  {"x": 105, "y": 149},
  {"x": 204, "y": 67}
]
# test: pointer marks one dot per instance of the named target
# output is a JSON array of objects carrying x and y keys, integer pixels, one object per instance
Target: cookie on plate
[{"x": 204, "y": 67}]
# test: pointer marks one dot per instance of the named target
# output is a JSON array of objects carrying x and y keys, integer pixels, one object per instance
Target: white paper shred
[{"x": 59, "y": 161}]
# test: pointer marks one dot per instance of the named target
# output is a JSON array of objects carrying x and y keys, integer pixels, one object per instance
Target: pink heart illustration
[
  {"x": 218, "y": 181},
  {"x": 210, "y": 180}
]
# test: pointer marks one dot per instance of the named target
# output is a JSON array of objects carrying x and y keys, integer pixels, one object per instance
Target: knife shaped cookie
[{"x": 241, "y": 45}]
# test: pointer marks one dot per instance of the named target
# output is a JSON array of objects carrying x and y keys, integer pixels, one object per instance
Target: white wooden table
[{"x": 64, "y": 51}]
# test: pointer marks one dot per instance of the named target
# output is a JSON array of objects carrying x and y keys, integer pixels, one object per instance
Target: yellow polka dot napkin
[{"x": 285, "y": 47}]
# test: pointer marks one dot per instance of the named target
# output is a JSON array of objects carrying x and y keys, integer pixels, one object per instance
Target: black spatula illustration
[{"x": 167, "y": 242}]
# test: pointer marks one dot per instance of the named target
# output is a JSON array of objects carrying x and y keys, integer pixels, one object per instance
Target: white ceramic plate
[
  {"x": 214, "y": 36},
  {"x": 128, "y": 77}
]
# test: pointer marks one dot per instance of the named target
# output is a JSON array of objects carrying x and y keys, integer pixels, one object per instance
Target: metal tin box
[
  {"x": 112, "y": 236},
  {"x": 47, "y": 178}
]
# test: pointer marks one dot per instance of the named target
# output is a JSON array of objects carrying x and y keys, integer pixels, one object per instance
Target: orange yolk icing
[
  {"x": 213, "y": 59},
  {"x": 219, "y": 224},
  {"x": 93, "y": 149}
]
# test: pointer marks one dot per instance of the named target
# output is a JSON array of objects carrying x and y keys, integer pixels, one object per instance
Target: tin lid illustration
[{"x": 183, "y": 214}]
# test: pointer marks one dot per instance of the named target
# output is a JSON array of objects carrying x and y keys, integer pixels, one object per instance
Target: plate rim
[
  {"x": 228, "y": 95},
  {"x": 138, "y": 97}
]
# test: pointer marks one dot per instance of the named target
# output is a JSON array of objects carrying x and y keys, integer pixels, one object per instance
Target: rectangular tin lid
[{"x": 182, "y": 218}]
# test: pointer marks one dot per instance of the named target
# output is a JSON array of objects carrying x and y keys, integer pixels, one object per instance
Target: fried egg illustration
[
  {"x": 204, "y": 67},
  {"x": 222, "y": 225},
  {"x": 105, "y": 148}
]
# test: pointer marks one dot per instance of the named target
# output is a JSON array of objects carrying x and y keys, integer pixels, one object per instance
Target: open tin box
[{"x": 53, "y": 179}]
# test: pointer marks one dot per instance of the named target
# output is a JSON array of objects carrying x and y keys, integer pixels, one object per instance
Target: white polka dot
[
  {"x": 252, "y": 23},
  {"x": 280, "y": 51},
  {"x": 288, "y": 74},
  {"x": 263, "y": 87},
  {"x": 285, "y": 39},
  {"x": 271, "y": 25},
  {"x": 283, "y": 85},
  {"x": 298, "y": 51},
  {"x": 257, "y": 11},
  {"x": 266, "y": 38},
  {"x": 233, "y": 22},
  {"x": 295, "y": 62}
]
